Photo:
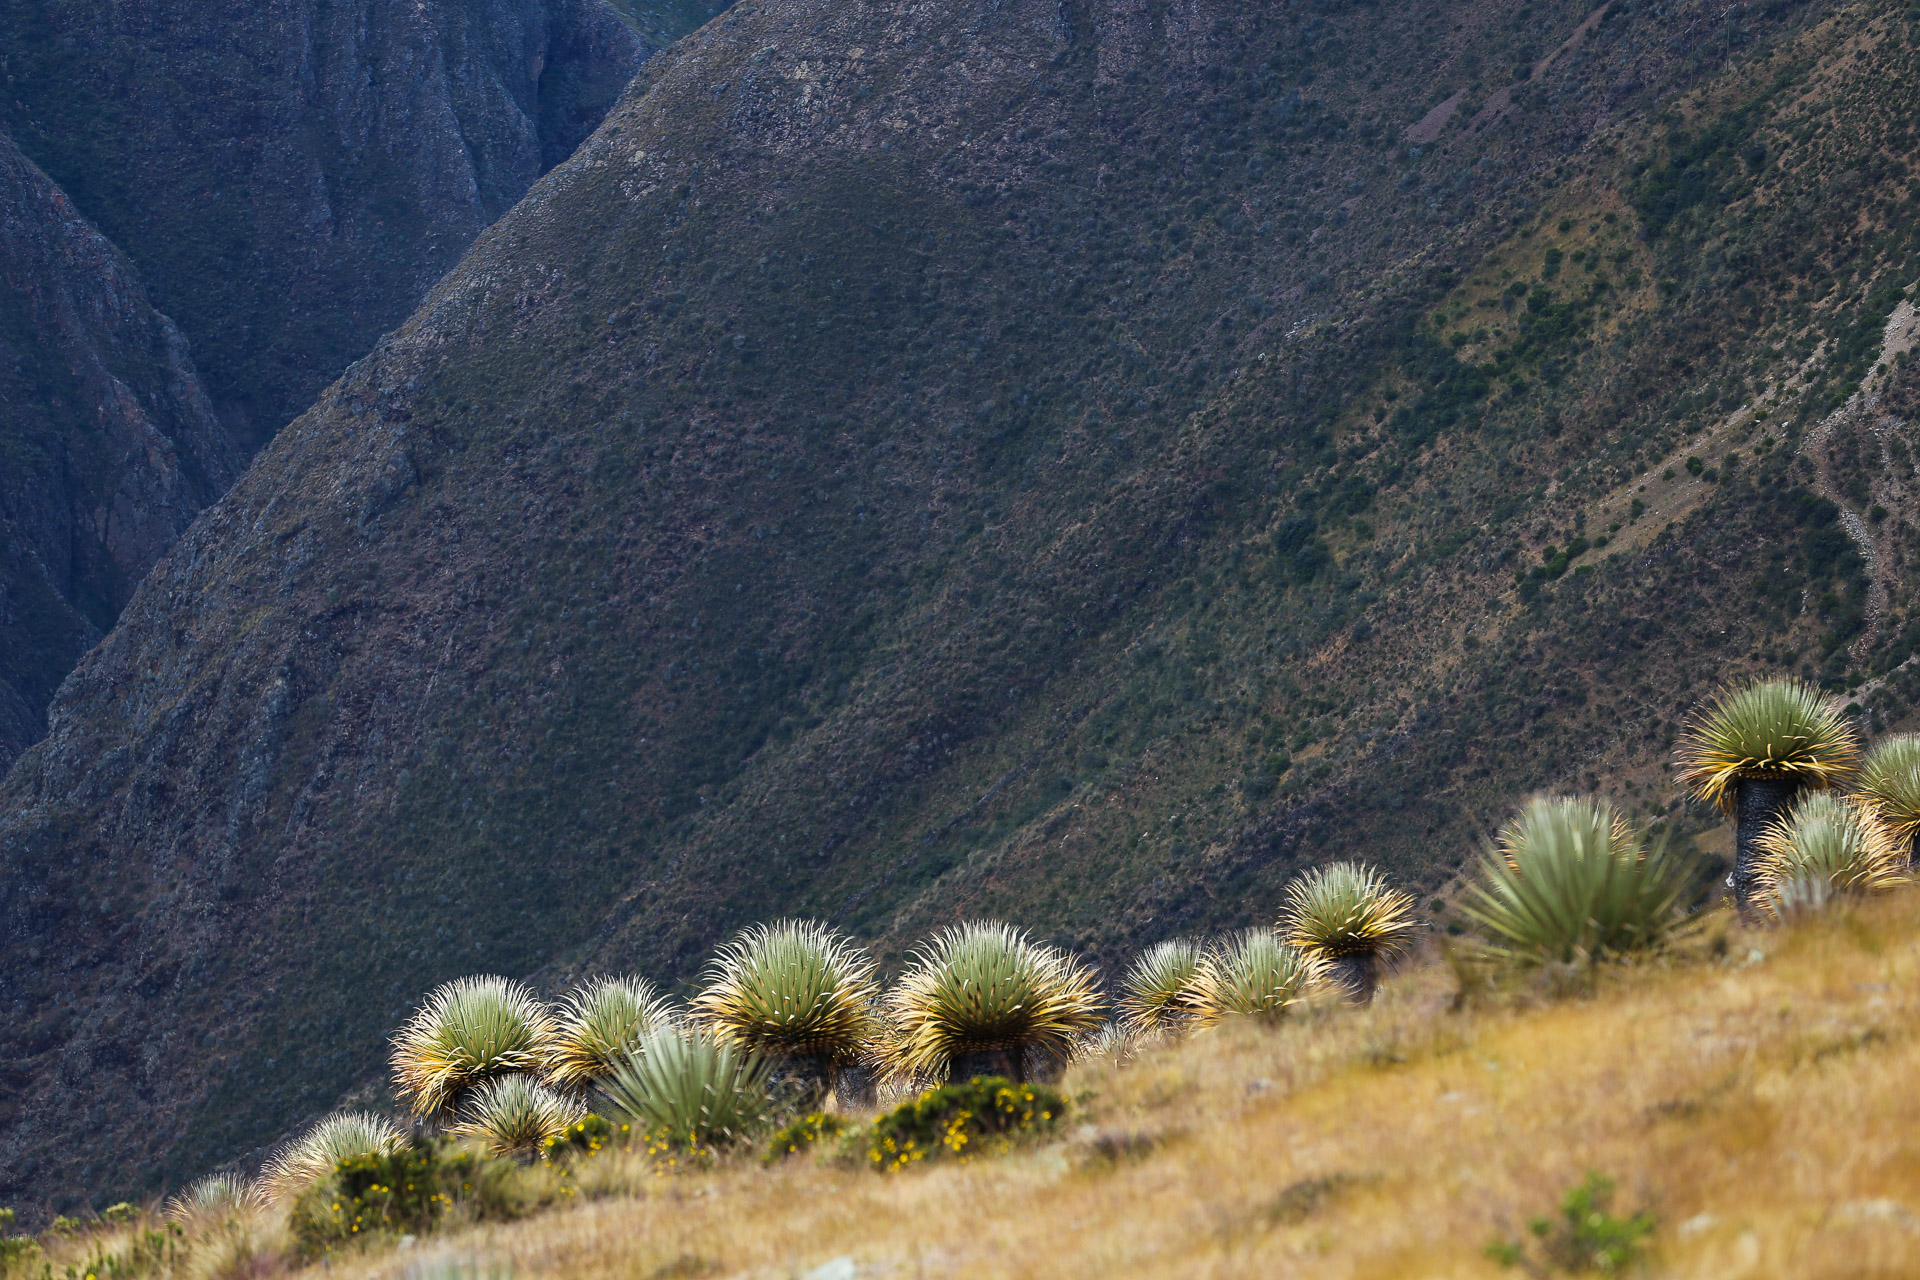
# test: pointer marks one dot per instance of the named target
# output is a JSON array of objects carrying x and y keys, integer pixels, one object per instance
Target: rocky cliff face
[
  {"x": 108, "y": 444},
  {"x": 1076, "y": 463},
  {"x": 289, "y": 177},
  {"x": 285, "y": 180}
]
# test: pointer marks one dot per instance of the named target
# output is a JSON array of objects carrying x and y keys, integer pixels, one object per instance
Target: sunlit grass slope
[{"x": 1755, "y": 1098}]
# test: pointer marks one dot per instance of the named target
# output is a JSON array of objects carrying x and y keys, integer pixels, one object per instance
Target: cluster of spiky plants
[
  {"x": 1256, "y": 975},
  {"x": 1158, "y": 995},
  {"x": 1889, "y": 783},
  {"x": 516, "y": 1116},
  {"x": 1571, "y": 881},
  {"x": 316, "y": 1153},
  {"x": 986, "y": 987},
  {"x": 1825, "y": 838},
  {"x": 598, "y": 1026},
  {"x": 469, "y": 1031},
  {"x": 794, "y": 988},
  {"x": 688, "y": 1088},
  {"x": 1770, "y": 728},
  {"x": 216, "y": 1196}
]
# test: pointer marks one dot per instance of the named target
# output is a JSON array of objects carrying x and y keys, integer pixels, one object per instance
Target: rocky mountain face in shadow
[
  {"x": 1074, "y": 463},
  {"x": 282, "y": 182},
  {"x": 108, "y": 444}
]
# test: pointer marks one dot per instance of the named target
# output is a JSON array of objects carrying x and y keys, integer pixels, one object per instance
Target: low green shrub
[
  {"x": 1586, "y": 1237},
  {"x": 17, "y": 1253},
  {"x": 411, "y": 1189},
  {"x": 589, "y": 1135},
  {"x": 804, "y": 1133},
  {"x": 986, "y": 1114}
]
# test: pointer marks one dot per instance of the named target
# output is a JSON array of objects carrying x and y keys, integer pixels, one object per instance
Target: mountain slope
[
  {"x": 286, "y": 181},
  {"x": 290, "y": 177},
  {"x": 1078, "y": 463},
  {"x": 108, "y": 444}
]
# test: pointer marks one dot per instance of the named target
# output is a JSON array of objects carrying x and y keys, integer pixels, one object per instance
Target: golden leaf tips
[{"x": 1770, "y": 728}]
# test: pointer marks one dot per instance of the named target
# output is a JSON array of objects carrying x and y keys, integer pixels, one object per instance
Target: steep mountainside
[
  {"x": 108, "y": 445},
  {"x": 291, "y": 177},
  {"x": 287, "y": 180},
  {"x": 1075, "y": 462}
]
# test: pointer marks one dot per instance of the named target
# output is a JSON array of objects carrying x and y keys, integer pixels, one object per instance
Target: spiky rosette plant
[
  {"x": 1349, "y": 917},
  {"x": 469, "y": 1031},
  {"x": 980, "y": 999},
  {"x": 794, "y": 991},
  {"x": 1826, "y": 838},
  {"x": 216, "y": 1196},
  {"x": 1255, "y": 975},
  {"x": 1889, "y": 784},
  {"x": 598, "y": 1025},
  {"x": 1159, "y": 995},
  {"x": 1753, "y": 749},
  {"x": 1570, "y": 882},
  {"x": 318, "y": 1152},
  {"x": 515, "y": 1116},
  {"x": 686, "y": 1089}
]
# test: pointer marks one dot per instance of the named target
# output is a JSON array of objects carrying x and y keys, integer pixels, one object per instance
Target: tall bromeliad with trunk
[
  {"x": 980, "y": 998},
  {"x": 1347, "y": 916},
  {"x": 797, "y": 993},
  {"x": 1753, "y": 750}
]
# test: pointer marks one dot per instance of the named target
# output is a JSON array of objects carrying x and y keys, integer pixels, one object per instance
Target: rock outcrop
[{"x": 108, "y": 444}]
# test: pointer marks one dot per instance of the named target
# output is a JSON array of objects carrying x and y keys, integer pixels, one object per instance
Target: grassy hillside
[
  {"x": 1079, "y": 465},
  {"x": 1748, "y": 1099}
]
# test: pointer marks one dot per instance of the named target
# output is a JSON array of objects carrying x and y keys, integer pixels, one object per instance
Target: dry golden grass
[{"x": 1761, "y": 1102}]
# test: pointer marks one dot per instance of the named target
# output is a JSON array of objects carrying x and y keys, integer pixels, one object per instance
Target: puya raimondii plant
[
  {"x": 1570, "y": 882},
  {"x": 1351, "y": 919},
  {"x": 980, "y": 998}
]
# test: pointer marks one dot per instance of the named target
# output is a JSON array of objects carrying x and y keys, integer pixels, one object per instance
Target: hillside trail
[{"x": 1859, "y": 412}]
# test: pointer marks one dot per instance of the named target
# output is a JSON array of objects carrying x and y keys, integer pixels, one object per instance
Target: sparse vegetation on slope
[{"x": 764, "y": 521}]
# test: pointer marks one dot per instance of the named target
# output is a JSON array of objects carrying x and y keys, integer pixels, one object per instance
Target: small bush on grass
[
  {"x": 985, "y": 1115},
  {"x": 1586, "y": 1237},
  {"x": 411, "y": 1190},
  {"x": 1347, "y": 916},
  {"x": 796, "y": 992},
  {"x": 17, "y": 1253},
  {"x": 805, "y": 1133},
  {"x": 589, "y": 1135}
]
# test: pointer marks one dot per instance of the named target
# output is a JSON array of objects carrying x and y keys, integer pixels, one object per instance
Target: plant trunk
[
  {"x": 809, "y": 1075},
  {"x": 855, "y": 1088},
  {"x": 986, "y": 1062},
  {"x": 1356, "y": 974},
  {"x": 1757, "y": 802}
]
